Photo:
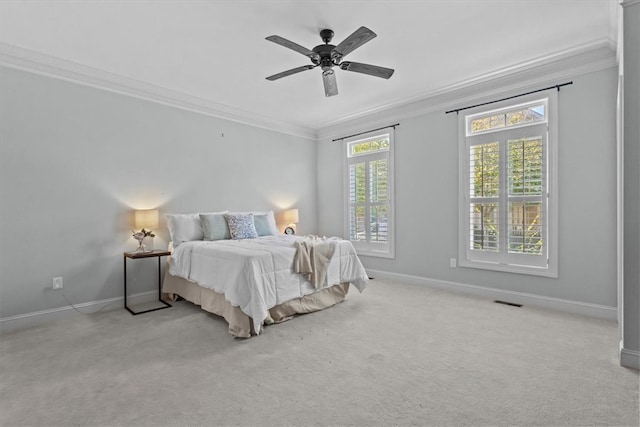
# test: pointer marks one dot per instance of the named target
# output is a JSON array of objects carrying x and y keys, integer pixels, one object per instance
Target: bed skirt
[{"x": 241, "y": 325}]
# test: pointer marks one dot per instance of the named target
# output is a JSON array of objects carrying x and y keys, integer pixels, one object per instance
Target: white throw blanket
[{"x": 312, "y": 258}]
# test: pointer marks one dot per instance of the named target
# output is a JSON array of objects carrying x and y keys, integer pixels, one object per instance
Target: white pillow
[{"x": 184, "y": 228}]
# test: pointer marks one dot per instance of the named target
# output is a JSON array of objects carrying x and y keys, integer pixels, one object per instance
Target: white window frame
[
  {"x": 543, "y": 265},
  {"x": 368, "y": 248}
]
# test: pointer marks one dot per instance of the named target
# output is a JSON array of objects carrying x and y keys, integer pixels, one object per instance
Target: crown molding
[
  {"x": 597, "y": 55},
  {"x": 26, "y": 60},
  {"x": 547, "y": 70}
]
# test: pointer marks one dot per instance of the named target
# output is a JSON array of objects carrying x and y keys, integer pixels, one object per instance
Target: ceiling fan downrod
[{"x": 326, "y": 52}]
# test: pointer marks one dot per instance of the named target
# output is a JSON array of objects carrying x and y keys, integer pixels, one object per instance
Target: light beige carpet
[{"x": 395, "y": 355}]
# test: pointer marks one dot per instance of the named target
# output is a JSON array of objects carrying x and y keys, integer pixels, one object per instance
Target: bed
[{"x": 253, "y": 281}]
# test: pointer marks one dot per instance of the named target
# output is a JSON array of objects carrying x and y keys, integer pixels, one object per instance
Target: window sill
[
  {"x": 375, "y": 254},
  {"x": 511, "y": 268}
]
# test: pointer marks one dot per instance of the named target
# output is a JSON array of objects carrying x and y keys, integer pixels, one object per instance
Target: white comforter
[{"x": 257, "y": 274}]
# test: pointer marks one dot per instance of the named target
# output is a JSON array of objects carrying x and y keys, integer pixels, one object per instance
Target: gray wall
[
  {"x": 75, "y": 161},
  {"x": 426, "y": 199}
]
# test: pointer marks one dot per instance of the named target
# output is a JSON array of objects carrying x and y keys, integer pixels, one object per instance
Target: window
[
  {"x": 368, "y": 193},
  {"x": 507, "y": 187}
]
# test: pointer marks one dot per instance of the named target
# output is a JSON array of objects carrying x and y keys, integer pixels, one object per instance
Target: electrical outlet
[
  {"x": 57, "y": 282},
  {"x": 453, "y": 263}
]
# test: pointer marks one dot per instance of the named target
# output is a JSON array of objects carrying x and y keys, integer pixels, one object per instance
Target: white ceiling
[{"x": 216, "y": 51}]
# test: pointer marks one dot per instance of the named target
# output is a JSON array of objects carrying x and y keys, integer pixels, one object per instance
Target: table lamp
[
  {"x": 146, "y": 221},
  {"x": 290, "y": 217}
]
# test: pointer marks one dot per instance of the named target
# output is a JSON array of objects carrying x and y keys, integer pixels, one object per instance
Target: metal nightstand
[{"x": 138, "y": 255}]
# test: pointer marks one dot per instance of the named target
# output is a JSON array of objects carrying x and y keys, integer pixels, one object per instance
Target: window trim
[
  {"x": 551, "y": 268},
  {"x": 366, "y": 248}
]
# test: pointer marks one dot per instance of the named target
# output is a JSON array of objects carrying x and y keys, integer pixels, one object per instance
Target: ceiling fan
[{"x": 327, "y": 56}]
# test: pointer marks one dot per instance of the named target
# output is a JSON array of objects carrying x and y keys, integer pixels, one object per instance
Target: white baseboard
[
  {"x": 630, "y": 358},
  {"x": 21, "y": 321},
  {"x": 568, "y": 306}
]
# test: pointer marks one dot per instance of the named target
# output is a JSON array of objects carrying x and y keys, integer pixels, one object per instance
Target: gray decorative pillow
[
  {"x": 263, "y": 224},
  {"x": 241, "y": 226},
  {"x": 214, "y": 226}
]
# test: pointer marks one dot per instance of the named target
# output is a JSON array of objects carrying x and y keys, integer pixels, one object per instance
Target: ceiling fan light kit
[{"x": 327, "y": 56}]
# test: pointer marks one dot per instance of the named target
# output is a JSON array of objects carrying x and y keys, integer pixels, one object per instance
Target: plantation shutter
[
  {"x": 505, "y": 208},
  {"x": 368, "y": 192}
]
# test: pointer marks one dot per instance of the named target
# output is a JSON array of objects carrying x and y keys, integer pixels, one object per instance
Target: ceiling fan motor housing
[{"x": 324, "y": 51}]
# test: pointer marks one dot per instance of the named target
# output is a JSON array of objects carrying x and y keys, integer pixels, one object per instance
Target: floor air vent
[{"x": 513, "y": 304}]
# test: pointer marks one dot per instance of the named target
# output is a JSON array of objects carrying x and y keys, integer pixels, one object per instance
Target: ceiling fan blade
[
  {"x": 294, "y": 46},
  {"x": 289, "y": 72},
  {"x": 354, "y": 41},
  {"x": 372, "y": 70},
  {"x": 330, "y": 84}
]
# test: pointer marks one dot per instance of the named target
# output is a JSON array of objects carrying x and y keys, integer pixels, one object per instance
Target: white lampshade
[
  {"x": 147, "y": 219},
  {"x": 290, "y": 216}
]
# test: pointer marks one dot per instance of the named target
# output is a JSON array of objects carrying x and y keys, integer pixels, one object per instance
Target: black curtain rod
[
  {"x": 558, "y": 86},
  {"x": 367, "y": 131}
]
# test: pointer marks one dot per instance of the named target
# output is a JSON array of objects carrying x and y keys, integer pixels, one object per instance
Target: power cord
[
  {"x": 135, "y": 277},
  {"x": 82, "y": 312}
]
